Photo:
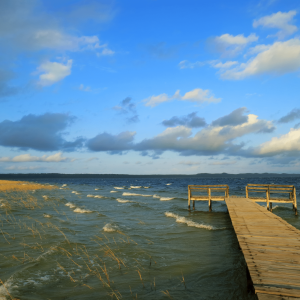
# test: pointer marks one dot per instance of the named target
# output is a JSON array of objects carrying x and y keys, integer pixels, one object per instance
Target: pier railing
[
  {"x": 194, "y": 190},
  {"x": 273, "y": 189}
]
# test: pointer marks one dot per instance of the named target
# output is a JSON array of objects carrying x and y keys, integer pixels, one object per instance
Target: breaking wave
[
  {"x": 118, "y": 188},
  {"x": 109, "y": 228},
  {"x": 71, "y": 205},
  {"x": 165, "y": 198},
  {"x": 123, "y": 201},
  {"x": 188, "y": 222},
  {"x": 133, "y": 194},
  {"x": 82, "y": 211}
]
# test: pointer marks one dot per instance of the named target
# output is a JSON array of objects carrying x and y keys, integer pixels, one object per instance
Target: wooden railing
[
  {"x": 270, "y": 189},
  {"x": 209, "y": 189}
]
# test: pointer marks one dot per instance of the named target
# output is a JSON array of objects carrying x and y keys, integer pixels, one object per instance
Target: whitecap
[
  {"x": 99, "y": 196},
  {"x": 123, "y": 201},
  {"x": 156, "y": 196},
  {"x": 90, "y": 196},
  {"x": 113, "y": 191},
  {"x": 188, "y": 222},
  {"x": 146, "y": 187},
  {"x": 97, "y": 189},
  {"x": 81, "y": 210},
  {"x": 133, "y": 194},
  {"x": 118, "y": 188},
  {"x": 168, "y": 183},
  {"x": 71, "y": 205},
  {"x": 165, "y": 198},
  {"x": 45, "y": 197},
  {"x": 46, "y": 216},
  {"x": 64, "y": 185},
  {"x": 109, "y": 228},
  {"x": 135, "y": 187}
]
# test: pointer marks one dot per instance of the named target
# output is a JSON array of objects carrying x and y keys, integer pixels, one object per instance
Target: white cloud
[
  {"x": 188, "y": 65},
  {"x": 21, "y": 168},
  {"x": 289, "y": 142},
  {"x": 105, "y": 51},
  {"x": 220, "y": 65},
  {"x": 280, "y": 21},
  {"x": 53, "y": 72},
  {"x": 200, "y": 96},
  {"x": 231, "y": 45},
  {"x": 278, "y": 59},
  {"x": 57, "y": 157},
  {"x": 84, "y": 88},
  {"x": 196, "y": 95}
]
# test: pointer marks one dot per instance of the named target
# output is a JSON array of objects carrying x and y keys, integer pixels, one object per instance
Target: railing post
[
  {"x": 247, "y": 194},
  {"x": 189, "y": 197},
  {"x": 227, "y": 191},
  {"x": 268, "y": 197},
  {"x": 209, "y": 199},
  {"x": 295, "y": 201}
]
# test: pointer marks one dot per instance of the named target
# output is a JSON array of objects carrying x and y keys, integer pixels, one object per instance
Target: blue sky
[{"x": 149, "y": 87}]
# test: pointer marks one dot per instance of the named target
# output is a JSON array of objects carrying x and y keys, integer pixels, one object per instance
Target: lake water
[{"x": 123, "y": 239}]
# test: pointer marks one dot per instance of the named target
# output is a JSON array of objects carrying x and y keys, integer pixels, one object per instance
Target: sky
[{"x": 149, "y": 87}]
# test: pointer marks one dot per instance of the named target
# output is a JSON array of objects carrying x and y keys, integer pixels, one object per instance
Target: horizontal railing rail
[
  {"x": 273, "y": 189},
  {"x": 209, "y": 197}
]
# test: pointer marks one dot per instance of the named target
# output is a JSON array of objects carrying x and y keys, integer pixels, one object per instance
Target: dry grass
[{"x": 22, "y": 186}]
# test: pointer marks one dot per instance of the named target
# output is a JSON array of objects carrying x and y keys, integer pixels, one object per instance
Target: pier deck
[{"x": 271, "y": 248}]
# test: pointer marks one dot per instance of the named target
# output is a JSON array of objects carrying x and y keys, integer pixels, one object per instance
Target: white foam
[
  {"x": 123, "y": 201},
  {"x": 187, "y": 222},
  {"x": 47, "y": 216},
  {"x": 90, "y": 196},
  {"x": 113, "y": 191},
  {"x": 71, "y": 205},
  {"x": 156, "y": 196},
  {"x": 135, "y": 187},
  {"x": 82, "y": 211},
  {"x": 168, "y": 183},
  {"x": 99, "y": 196},
  {"x": 146, "y": 187},
  {"x": 97, "y": 189},
  {"x": 45, "y": 197},
  {"x": 109, "y": 228},
  {"x": 118, "y": 188},
  {"x": 64, "y": 185},
  {"x": 4, "y": 288},
  {"x": 165, "y": 198},
  {"x": 133, "y": 194}
]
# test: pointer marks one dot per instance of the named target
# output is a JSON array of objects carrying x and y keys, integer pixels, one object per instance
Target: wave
[
  {"x": 5, "y": 289},
  {"x": 109, "y": 228},
  {"x": 146, "y": 187},
  {"x": 64, "y": 185},
  {"x": 168, "y": 183},
  {"x": 90, "y": 196},
  {"x": 188, "y": 222},
  {"x": 156, "y": 196},
  {"x": 166, "y": 198},
  {"x": 97, "y": 189},
  {"x": 113, "y": 191},
  {"x": 71, "y": 205},
  {"x": 46, "y": 216},
  {"x": 135, "y": 187},
  {"x": 82, "y": 210},
  {"x": 99, "y": 196},
  {"x": 123, "y": 201},
  {"x": 133, "y": 194},
  {"x": 118, "y": 188},
  {"x": 45, "y": 197}
]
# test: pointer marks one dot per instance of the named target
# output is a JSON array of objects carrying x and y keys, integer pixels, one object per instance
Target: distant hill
[{"x": 199, "y": 175}]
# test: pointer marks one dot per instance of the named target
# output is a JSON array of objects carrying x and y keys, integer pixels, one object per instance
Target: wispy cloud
[{"x": 57, "y": 157}]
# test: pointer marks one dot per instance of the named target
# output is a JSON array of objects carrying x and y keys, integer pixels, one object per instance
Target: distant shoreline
[{"x": 200, "y": 175}]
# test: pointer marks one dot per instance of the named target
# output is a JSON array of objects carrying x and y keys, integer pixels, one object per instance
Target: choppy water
[{"x": 123, "y": 238}]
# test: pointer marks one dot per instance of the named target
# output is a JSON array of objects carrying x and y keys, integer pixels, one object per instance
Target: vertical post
[
  {"x": 189, "y": 197},
  {"x": 193, "y": 204},
  {"x": 268, "y": 197},
  {"x": 227, "y": 191},
  {"x": 295, "y": 201},
  {"x": 270, "y": 206},
  {"x": 247, "y": 195},
  {"x": 209, "y": 199}
]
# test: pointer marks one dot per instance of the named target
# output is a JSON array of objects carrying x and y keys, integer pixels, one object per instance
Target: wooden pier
[
  {"x": 270, "y": 245},
  {"x": 271, "y": 248}
]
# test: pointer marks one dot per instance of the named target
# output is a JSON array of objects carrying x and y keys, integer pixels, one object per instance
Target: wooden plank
[{"x": 271, "y": 248}]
